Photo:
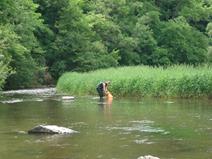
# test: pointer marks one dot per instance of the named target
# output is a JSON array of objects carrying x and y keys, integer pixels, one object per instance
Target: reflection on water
[
  {"x": 118, "y": 128},
  {"x": 105, "y": 105}
]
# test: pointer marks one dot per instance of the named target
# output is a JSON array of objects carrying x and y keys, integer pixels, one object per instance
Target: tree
[
  {"x": 83, "y": 35},
  {"x": 51, "y": 11},
  {"x": 184, "y": 43},
  {"x": 7, "y": 40},
  {"x": 209, "y": 32},
  {"x": 26, "y": 54},
  {"x": 76, "y": 46},
  {"x": 198, "y": 13},
  {"x": 171, "y": 9}
]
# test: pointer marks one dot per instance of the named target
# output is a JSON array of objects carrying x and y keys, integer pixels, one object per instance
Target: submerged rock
[
  {"x": 148, "y": 157},
  {"x": 50, "y": 129}
]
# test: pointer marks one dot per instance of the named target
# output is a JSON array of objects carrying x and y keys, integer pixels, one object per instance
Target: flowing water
[{"x": 119, "y": 129}]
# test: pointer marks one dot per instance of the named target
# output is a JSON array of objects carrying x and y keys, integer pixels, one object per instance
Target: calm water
[{"x": 118, "y": 129}]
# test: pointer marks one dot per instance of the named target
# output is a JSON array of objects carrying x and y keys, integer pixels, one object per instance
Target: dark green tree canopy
[{"x": 41, "y": 39}]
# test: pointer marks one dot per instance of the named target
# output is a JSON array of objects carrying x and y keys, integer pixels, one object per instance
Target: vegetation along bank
[
  {"x": 42, "y": 39},
  {"x": 174, "y": 81}
]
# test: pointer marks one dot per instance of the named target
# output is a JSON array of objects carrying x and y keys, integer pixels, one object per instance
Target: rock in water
[
  {"x": 148, "y": 157},
  {"x": 50, "y": 129}
]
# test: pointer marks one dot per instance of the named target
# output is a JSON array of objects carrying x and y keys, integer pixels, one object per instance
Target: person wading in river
[{"x": 102, "y": 89}]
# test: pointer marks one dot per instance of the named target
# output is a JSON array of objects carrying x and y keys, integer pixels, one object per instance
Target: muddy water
[{"x": 118, "y": 129}]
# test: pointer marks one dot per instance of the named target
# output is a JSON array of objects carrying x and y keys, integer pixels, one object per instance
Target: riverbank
[{"x": 174, "y": 81}]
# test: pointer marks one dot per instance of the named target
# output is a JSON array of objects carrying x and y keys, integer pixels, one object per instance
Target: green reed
[{"x": 174, "y": 81}]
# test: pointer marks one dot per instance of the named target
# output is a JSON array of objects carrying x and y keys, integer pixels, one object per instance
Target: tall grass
[{"x": 174, "y": 81}]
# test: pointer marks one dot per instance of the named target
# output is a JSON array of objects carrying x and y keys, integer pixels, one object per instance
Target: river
[{"x": 116, "y": 129}]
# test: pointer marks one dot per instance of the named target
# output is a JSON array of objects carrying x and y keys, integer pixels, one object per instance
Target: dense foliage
[
  {"x": 42, "y": 39},
  {"x": 18, "y": 43},
  {"x": 138, "y": 81}
]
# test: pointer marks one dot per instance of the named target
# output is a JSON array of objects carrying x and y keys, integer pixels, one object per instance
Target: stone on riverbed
[
  {"x": 148, "y": 157},
  {"x": 50, "y": 129}
]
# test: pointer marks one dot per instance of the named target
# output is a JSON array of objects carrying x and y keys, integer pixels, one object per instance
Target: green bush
[{"x": 174, "y": 81}]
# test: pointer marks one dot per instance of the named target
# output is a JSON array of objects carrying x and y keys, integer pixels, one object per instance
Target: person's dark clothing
[{"x": 100, "y": 89}]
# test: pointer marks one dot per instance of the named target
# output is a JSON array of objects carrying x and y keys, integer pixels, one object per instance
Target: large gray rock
[
  {"x": 50, "y": 129},
  {"x": 148, "y": 157}
]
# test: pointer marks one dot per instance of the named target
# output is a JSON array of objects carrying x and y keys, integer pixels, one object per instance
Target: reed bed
[{"x": 174, "y": 81}]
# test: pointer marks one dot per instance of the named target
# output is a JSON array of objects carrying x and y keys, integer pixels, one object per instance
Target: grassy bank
[{"x": 175, "y": 81}]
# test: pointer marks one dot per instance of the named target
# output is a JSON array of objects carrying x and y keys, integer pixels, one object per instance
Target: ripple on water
[
  {"x": 12, "y": 101},
  {"x": 141, "y": 126},
  {"x": 54, "y": 139},
  {"x": 142, "y": 121},
  {"x": 37, "y": 99},
  {"x": 21, "y": 132},
  {"x": 79, "y": 124},
  {"x": 169, "y": 102},
  {"x": 45, "y": 91},
  {"x": 143, "y": 141}
]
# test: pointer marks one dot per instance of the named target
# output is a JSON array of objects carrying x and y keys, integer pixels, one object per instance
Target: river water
[{"x": 116, "y": 129}]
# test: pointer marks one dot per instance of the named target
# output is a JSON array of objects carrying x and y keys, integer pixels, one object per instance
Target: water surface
[{"x": 119, "y": 129}]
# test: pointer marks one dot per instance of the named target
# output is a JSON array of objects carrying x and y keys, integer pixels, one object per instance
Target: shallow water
[{"x": 118, "y": 129}]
